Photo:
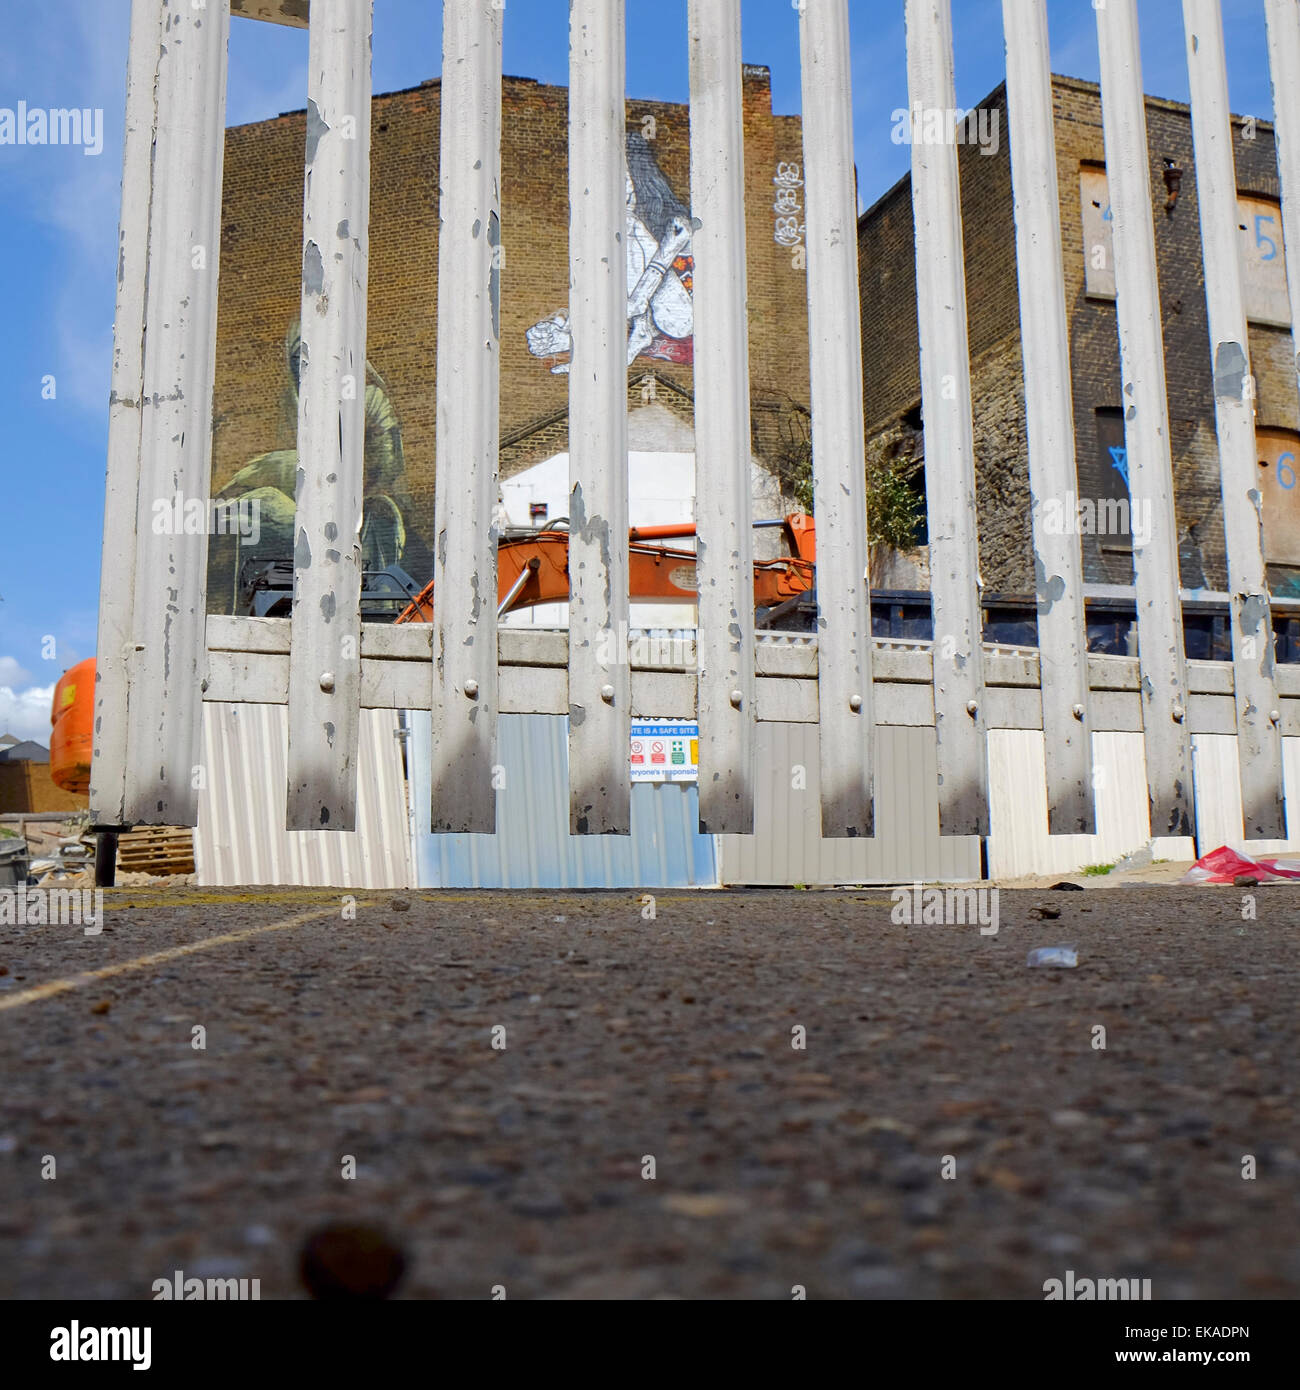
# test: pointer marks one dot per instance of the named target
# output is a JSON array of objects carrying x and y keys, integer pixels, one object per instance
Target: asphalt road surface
[{"x": 562, "y": 1096}]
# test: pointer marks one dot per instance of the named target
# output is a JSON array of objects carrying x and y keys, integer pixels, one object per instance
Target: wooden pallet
[{"x": 158, "y": 850}]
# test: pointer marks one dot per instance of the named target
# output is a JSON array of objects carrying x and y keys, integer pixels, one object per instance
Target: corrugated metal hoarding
[
  {"x": 787, "y": 845},
  {"x": 1020, "y": 845},
  {"x": 241, "y": 837},
  {"x": 533, "y": 848}
]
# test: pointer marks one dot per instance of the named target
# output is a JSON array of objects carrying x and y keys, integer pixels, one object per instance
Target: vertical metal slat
[
  {"x": 1049, "y": 418},
  {"x": 949, "y": 434},
  {"x": 164, "y": 724},
  {"x": 724, "y": 544},
  {"x": 469, "y": 363},
  {"x": 325, "y": 652},
  {"x": 1284, "y": 66},
  {"x": 1146, "y": 423},
  {"x": 599, "y": 688},
  {"x": 115, "y": 650},
  {"x": 838, "y": 431},
  {"x": 1259, "y": 735}
]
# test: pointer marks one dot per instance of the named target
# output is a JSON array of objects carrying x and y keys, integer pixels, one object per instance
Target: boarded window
[
  {"x": 1279, "y": 470},
  {"x": 1259, "y": 221},
  {"x": 1103, "y": 486},
  {"x": 1099, "y": 266},
  {"x": 1263, "y": 270}
]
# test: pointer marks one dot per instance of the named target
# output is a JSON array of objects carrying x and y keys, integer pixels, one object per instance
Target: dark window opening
[{"x": 1104, "y": 507}]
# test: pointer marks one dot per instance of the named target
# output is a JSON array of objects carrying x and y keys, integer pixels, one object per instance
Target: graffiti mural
[
  {"x": 387, "y": 537},
  {"x": 660, "y": 315}
]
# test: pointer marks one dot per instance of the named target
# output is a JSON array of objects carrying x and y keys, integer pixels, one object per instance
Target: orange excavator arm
[{"x": 534, "y": 569}]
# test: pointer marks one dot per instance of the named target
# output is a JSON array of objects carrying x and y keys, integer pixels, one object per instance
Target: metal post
[
  {"x": 838, "y": 432},
  {"x": 725, "y": 548},
  {"x": 164, "y": 726},
  {"x": 1259, "y": 734},
  {"x": 599, "y": 688},
  {"x": 469, "y": 363},
  {"x": 325, "y": 648},
  {"x": 1049, "y": 418},
  {"x": 949, "y": 435},
  {"x": 1146, "y": 423},
  {"x": 114, "y": 659},
  {"x": 1284, "y": 65}
]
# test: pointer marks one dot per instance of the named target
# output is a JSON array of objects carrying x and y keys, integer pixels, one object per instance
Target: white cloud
[
  {"x": 26, "y": 713},
  {"x": 12, "y": 674}
]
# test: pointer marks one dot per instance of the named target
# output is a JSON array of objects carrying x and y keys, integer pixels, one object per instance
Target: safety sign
[{"x": 665, "y": 751}]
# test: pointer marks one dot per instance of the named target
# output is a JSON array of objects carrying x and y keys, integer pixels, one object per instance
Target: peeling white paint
[
  {"x": 1216, "y": 186},
  {"x": 465, "y": 489},
  {"x": 949, "y": 433},
  {"x": 1049, "y": 412},
  {"x": 1146, "y": 433}
]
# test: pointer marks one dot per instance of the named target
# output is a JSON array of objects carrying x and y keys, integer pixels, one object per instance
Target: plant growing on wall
[{"x": 895, "y": 505}]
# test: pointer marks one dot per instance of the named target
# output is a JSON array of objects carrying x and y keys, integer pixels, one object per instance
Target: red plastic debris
[{"x": 1224, "y": 865}]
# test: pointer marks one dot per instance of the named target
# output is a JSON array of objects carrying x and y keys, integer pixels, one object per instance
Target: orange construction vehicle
[{"x": 534, "y": 568}]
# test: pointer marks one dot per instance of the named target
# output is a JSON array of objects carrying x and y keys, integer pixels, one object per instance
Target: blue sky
[{"x": 59, "y": 232}]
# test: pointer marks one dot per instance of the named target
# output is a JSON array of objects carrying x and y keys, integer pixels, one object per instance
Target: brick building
[
  {"x": 889, "y": 336},
  {"x": 26, "y": 783},
  {"x": 255, "y": 410}
]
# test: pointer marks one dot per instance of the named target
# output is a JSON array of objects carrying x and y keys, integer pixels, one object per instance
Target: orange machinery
[
  {"x": 531, "y": 569},
  {"x": 72, "y": 728},
  {"x": 534, "y": 569}
]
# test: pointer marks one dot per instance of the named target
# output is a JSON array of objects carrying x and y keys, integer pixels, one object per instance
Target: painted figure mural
[
  {"x": 387, "y": 534},
  {"x": 660, "y": 316}
]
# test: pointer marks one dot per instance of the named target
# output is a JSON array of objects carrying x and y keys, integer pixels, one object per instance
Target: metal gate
[{"x": 160, "y": 656}]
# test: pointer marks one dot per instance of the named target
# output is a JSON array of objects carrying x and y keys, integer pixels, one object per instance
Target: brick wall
[
  {"x": 891, "y": 384},
  {"x": 254, "y": 410},
  {"x": 28, "y": 786},
  {"x": 891, "y": 347}
]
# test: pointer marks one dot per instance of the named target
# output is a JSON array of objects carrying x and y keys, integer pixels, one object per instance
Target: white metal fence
[{"x": 155, "y": 666}]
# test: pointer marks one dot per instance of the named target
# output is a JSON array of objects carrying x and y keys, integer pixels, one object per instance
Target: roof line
[
  {"x": 1078, "y": 84},
  {"x": 555, "y": 416}
]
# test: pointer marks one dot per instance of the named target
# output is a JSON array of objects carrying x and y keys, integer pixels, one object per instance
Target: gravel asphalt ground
[{"x": 565, "y": 1096}]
